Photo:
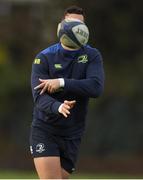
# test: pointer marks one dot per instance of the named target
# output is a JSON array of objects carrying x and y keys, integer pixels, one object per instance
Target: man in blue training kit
[{"x": 63, "y": 79}]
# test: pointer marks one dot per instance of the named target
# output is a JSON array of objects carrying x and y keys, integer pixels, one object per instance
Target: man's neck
[{"x": 67, "y": 48}]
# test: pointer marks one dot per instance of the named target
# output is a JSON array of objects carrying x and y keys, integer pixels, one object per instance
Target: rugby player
[{"x": 63, "y": 79}]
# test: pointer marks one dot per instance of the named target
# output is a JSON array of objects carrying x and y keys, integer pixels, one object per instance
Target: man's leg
[
  {"x": 48, "y": 167},
  {"x": 65, "y": 174}
]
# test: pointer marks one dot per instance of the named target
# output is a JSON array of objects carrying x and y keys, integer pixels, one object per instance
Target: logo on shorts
[{"x": 40, "y": 148}]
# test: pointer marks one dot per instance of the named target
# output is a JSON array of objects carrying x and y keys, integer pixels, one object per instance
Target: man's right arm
[{"x": 44, "y": 102}]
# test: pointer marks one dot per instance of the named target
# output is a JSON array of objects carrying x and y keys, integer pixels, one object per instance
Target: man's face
[{"x": 75, "y": 16}]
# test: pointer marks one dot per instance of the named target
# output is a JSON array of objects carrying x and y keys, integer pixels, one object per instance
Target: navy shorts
[{"x": 44, "y": 144}]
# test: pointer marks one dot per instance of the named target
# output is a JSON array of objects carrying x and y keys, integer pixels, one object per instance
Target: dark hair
[{"x": 74, "y": 10}]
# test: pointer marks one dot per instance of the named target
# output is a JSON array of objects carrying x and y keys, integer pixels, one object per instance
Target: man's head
[
  {"x": 72, "y": 31},
  {"x": 74, "y": 12}
]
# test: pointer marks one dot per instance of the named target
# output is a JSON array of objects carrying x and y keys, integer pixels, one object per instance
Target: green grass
[
  {"x": 17, "y": 175},
  {"x": 32, "y": 175}
]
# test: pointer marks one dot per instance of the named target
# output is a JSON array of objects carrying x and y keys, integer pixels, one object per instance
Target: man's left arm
[{"x": 93, "y": 85}]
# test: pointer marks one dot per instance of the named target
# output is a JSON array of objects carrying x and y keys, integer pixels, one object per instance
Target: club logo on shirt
[
  {"x": 82, "y": 59},
  {"x": 40, "y": 147},
  {"x": 58, "y": 66}
]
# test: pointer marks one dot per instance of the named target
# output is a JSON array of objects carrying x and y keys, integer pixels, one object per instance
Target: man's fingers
[
  {"x": 66, "y": 106},
  {"x": 43, "y": 80},
  {"x": 51, "y": 89},
  {"x": 65, "y": 110},
  {"x": 65, "y": 115},
  {"x": 67, "y": 102},
  {"x": 48, "y": 87},
  {"x": 70, "y": 102},
  {"x": 53, "y": 84},
  {"x": 39, "y": 86},
  {"x": 44, "y": 89}
]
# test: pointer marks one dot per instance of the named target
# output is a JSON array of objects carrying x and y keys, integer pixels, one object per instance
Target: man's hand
[
  {"x": 50, "y": 85},
  {"x": 65, "y": 107},
  {"x": 70, "y": 103}
]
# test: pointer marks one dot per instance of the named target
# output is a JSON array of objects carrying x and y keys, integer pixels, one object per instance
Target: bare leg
[
  {"x": 48, "y": 167},
  {"x": 65, "y": 174}
]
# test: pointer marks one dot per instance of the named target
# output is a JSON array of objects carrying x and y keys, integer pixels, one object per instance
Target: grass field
[{"x": 31, "y": 175}]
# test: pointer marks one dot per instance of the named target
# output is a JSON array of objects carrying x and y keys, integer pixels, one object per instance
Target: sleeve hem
[{"x": 55, "y": 107}]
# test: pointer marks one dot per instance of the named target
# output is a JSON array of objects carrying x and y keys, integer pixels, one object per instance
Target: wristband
[{"x": 62, "y": 82}]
